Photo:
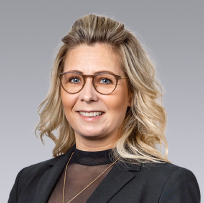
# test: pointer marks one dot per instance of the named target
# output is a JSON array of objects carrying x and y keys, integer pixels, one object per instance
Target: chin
[{"x": 92, "y": 136}]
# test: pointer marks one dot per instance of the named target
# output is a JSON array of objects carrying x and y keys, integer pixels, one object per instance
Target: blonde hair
[{"x": 143, "y": 128}]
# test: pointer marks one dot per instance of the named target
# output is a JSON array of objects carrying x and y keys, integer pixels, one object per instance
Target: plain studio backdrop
[{"x": 31, "y": 32}]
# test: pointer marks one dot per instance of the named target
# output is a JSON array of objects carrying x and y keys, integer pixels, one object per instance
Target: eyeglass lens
[{"x": 73, "y": 82}]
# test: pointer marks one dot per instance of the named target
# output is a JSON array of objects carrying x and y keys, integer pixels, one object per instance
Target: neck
[{"x": 94, "y": 145}]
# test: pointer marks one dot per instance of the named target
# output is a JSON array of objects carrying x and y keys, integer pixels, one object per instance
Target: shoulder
[
  {"x": 37, "y": 168},
  {"x": 177, "y": 182},
  {"x": 29, "y": 176},
  {"x": 44, "y": 164},
  {"x": 164, "y": 169},
  {"x": 167, "y": 171}
]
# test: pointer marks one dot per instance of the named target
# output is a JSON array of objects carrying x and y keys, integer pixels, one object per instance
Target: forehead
[{"x": 90, "y": 59}]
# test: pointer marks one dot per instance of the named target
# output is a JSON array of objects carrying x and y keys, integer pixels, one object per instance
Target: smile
[{"x": 90, "y": 114}]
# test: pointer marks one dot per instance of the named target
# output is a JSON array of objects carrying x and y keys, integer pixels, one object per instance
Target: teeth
[{"x": 91, "y": 114}]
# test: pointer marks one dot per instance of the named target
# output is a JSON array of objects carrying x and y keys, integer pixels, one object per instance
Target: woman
[{"x": 104, "y": 101}]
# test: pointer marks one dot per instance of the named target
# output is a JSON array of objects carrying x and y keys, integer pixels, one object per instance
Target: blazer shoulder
[
  {"x": 44, "y": 163},
  {"x": 164, "y": 167},
  {"x": 40, "y": 167},
  {"x": 180, "y": 184},
  {"x": 177, "y": 184},
  {"x": 165, "y": 170},
  {"x": 30, "y": 173}
]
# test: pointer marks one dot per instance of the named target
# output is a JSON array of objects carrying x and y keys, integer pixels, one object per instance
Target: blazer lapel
[
  {"x": 118, "y": 176},
  {"x": 50, "y": 177}
]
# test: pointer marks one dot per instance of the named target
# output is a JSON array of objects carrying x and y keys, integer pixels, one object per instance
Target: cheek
[
  {"x": 68, "y": 101},
  {"x": 117, "y": 105}
]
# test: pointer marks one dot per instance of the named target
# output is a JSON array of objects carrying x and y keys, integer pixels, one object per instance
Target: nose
[{"x": 88, "y": 93}]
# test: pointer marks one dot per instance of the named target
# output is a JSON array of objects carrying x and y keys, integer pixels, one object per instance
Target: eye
[
  {"x": 106, "y": 81},
  {"x": 74, "y": 80}
]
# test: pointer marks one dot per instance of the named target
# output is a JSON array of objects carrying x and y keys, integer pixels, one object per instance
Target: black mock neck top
[{"x": 82, "y": 169}]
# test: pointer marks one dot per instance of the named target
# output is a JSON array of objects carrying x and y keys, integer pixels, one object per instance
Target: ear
[{"x": 130, "y": 99}]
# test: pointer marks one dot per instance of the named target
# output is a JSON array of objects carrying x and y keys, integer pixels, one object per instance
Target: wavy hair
[{"x": 143, "y": 129}]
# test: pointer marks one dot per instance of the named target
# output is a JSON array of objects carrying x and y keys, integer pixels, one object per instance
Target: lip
[
  {"x": 90, "y": 118},
  {"x": 91, "y": 111}
]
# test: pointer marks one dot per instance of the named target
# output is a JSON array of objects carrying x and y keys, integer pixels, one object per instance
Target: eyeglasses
[{"x": 104, "y": 83}]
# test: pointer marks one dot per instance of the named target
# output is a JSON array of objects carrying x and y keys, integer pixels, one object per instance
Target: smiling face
[{"x": 99, "y": 132}]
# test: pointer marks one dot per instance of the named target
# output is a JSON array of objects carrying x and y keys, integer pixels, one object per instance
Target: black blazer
[{"x": 145, "y": 183}]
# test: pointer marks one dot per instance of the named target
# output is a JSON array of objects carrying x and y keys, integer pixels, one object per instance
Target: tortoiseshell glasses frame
[{"x": 117, "y": 77}]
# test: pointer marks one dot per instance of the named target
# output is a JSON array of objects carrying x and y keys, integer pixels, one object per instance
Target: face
[{"x": 103, "y": 129}]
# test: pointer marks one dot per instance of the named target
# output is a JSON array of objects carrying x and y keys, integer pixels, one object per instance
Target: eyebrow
[{"x": 102, "y": 71}]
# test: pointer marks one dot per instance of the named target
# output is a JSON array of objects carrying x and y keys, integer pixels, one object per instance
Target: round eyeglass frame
[{"x": 117, "y": 77}]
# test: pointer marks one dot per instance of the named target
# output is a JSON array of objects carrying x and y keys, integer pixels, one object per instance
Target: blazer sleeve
[
  {"x": 13, "y": 197},
  {"x": 181, "y": 187}
]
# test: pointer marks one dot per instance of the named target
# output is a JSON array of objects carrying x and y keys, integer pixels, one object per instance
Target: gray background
[{"x": 30, "y": 34}]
